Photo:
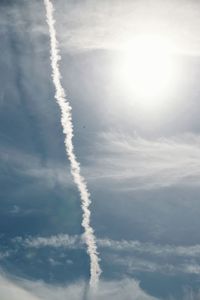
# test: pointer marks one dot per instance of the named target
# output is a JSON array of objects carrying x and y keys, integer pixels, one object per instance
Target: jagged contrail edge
[{"x": 66, "y": 121}]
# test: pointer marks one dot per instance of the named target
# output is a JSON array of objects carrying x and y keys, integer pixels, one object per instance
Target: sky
[{"x": 130, "y": 70}]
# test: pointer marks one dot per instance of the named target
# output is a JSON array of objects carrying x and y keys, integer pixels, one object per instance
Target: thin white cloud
[
  {"x": 109, "y": 24},
  {"x": 10, "y": 290},
  {"x": 135, "y": 264},
  {"x": 150, "y": 248},
  {"x": 20, "y": 289},
  {"x": 131, "y": 255},
  {"x": 130, "y": 246},
  {"x": 122, "y": 162},
  {"x": 132, "y": 162},
  {"x": 26, "y": 164},
  {"x": 56, "y": 241}
]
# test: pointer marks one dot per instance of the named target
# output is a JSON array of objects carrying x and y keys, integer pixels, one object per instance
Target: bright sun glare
[{"x": 146, "y": 68}]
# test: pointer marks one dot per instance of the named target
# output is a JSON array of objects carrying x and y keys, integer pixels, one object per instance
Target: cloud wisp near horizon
[{"x": 22, "y": 289}]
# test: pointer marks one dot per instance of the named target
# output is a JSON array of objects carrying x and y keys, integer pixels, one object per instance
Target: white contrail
[{"x": 66, "y": 121}]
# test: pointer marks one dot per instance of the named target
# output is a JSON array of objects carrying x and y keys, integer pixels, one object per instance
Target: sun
[{"x": 146, "y": 68}]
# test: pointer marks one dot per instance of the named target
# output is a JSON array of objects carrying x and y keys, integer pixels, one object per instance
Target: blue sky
[{"x": 141, "y": 165}]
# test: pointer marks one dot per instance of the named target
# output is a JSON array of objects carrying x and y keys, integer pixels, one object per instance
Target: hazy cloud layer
[
  {"x": 19, "y": 289},
  {"x": 110, "y": 24}
]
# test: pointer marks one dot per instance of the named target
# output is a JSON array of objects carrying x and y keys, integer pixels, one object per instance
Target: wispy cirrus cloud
[
  {"x": 110, "y": 25},
  {"x": 33, "y": 166},
  {"x": 76, "y": 241},
  {"x": 131, "y": 255},
  {"x": 11, "y": 290},
  {"x": 122, "y": 162},
  {"x": 132, "y": 162},
  {"x": 150, "y": 248},
  {"x": 56, "y": 241},
  {"x": 132, "y": 264},
  {"x": 126, "y": 289},
  {"x": 21, "y": 289}
]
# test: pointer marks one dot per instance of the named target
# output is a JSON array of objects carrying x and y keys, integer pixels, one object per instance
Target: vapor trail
[{"x": 66, "y": 121}]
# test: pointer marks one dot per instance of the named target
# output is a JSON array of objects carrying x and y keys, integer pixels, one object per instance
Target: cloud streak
[
  {"x": 150, "y": 248},
  {"x": 76, "y": 241},
  {"x": 56, "y": 241},
  {"x": 132, "y": 162},
  {"x": 132, "y": 255},
  {"x": 131, "y": 265},
  {"x": 66, "y": 121}
]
